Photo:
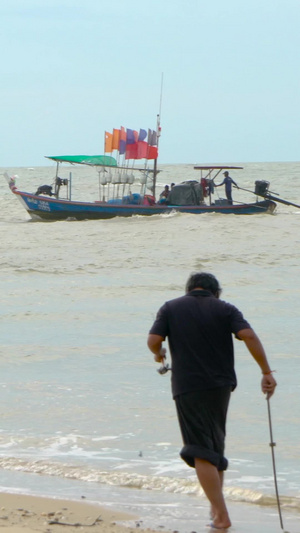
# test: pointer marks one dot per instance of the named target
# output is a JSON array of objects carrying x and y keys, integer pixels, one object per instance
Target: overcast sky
[{"x": 71, "y": 69}]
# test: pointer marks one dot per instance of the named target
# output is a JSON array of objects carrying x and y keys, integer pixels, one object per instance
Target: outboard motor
[
  {"x": 59, "y": 182},
  {"x": 261, "y": 187}
]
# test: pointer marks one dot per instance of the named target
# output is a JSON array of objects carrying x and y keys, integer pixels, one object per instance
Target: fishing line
[{"x": 272, "y": 444}]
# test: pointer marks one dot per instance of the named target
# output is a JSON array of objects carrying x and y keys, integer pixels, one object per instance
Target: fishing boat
[
  {"x": 192, "y": 196},
  {"x": 124, "y": 190}
]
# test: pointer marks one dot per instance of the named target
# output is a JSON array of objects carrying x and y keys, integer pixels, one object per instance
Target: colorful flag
[
  {"x": 142, "y": 149},
  {"x": 115, "y": 139},
  {"x": 152, "y": 138},
  {"x": 131, "y": 136},
  {"x": 142, "y": 135},
  {"x": 131, "y": 151},
  {"x": 108, "y": 142},
  {"x": 122, "y": 142},
  {"x": 152, "y": 152}
]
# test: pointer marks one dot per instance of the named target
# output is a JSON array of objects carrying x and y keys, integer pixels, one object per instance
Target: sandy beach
[
  {"x": 27, "y": 514},
  {"x": 21, "y": 513}
]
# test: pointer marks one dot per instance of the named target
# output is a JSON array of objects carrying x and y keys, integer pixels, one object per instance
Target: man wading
[{"x": 199, "y": 329}]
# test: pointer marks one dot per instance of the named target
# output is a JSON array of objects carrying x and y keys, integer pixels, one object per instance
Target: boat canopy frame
[
  {"x": 92, "y": 160},
  {"x": 101, "y": 162},
  {"x": 208, "y": 170}
]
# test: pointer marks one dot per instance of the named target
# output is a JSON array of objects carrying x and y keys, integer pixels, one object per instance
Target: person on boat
[
  {"x": 163, "y": 197},
  {"x": 228, "y": 181},
  {"x": 199, "y": 327},
  {"x": 165, "y": 192}
]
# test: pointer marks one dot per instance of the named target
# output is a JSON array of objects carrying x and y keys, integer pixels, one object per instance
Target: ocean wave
[
  {"x": 92, "y": 268},
  {"x": 142, "y": 482}
]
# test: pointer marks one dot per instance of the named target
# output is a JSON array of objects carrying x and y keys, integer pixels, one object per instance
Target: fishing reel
[{"x": 164, "y": 369}]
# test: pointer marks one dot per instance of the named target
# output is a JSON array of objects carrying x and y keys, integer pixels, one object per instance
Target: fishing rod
[
  {"x": 273, "y": 444},
  {"x": 165, "y": 368}
]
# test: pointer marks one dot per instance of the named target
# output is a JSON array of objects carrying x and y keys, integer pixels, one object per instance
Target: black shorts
[{"x": 202, "y": 420}]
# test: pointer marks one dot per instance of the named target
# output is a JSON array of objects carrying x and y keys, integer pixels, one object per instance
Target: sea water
[{"x": 84, "y": 412}]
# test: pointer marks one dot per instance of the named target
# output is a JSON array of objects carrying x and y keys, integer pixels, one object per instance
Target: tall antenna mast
[
  {"x": 161, "y": 90},
  {"x": 158, "y": 133}
]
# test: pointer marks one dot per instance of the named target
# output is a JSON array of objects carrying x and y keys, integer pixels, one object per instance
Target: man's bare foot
[
  {"x": 216, "y": 527},
  {"x": 221, "y": 522}
]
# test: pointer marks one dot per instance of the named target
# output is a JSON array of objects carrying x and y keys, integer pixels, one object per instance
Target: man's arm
[
  {"x": 219, "y": 184},
  {"x": 257, "y": 351},
  {"x": 155, "y": 346}
]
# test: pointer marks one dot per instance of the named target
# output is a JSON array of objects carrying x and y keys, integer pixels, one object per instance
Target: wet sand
[{"x": 30, "y": 514}]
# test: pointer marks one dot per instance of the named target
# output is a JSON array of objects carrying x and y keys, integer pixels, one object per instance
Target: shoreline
[
  {"x": 26, "y": 513},
  {"x": 22, "y": 513}
]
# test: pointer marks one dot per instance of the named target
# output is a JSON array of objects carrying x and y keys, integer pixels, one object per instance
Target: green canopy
[{"x": 93, "y": 160}]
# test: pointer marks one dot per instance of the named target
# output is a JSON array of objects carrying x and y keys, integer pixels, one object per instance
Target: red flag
[
  {"x": 142, "y": 149},
  {"x": 131, "y": 151},
  {"x": 152, "y": 152}
]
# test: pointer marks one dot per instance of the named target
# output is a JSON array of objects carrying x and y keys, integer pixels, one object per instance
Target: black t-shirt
[{"x": 199, "y": 328}]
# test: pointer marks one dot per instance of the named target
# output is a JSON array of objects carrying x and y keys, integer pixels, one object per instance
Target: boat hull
[{"x": 46, "y": 208}]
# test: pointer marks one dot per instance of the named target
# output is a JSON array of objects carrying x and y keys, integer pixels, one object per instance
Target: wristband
[{"x": 267, "y": 373}]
